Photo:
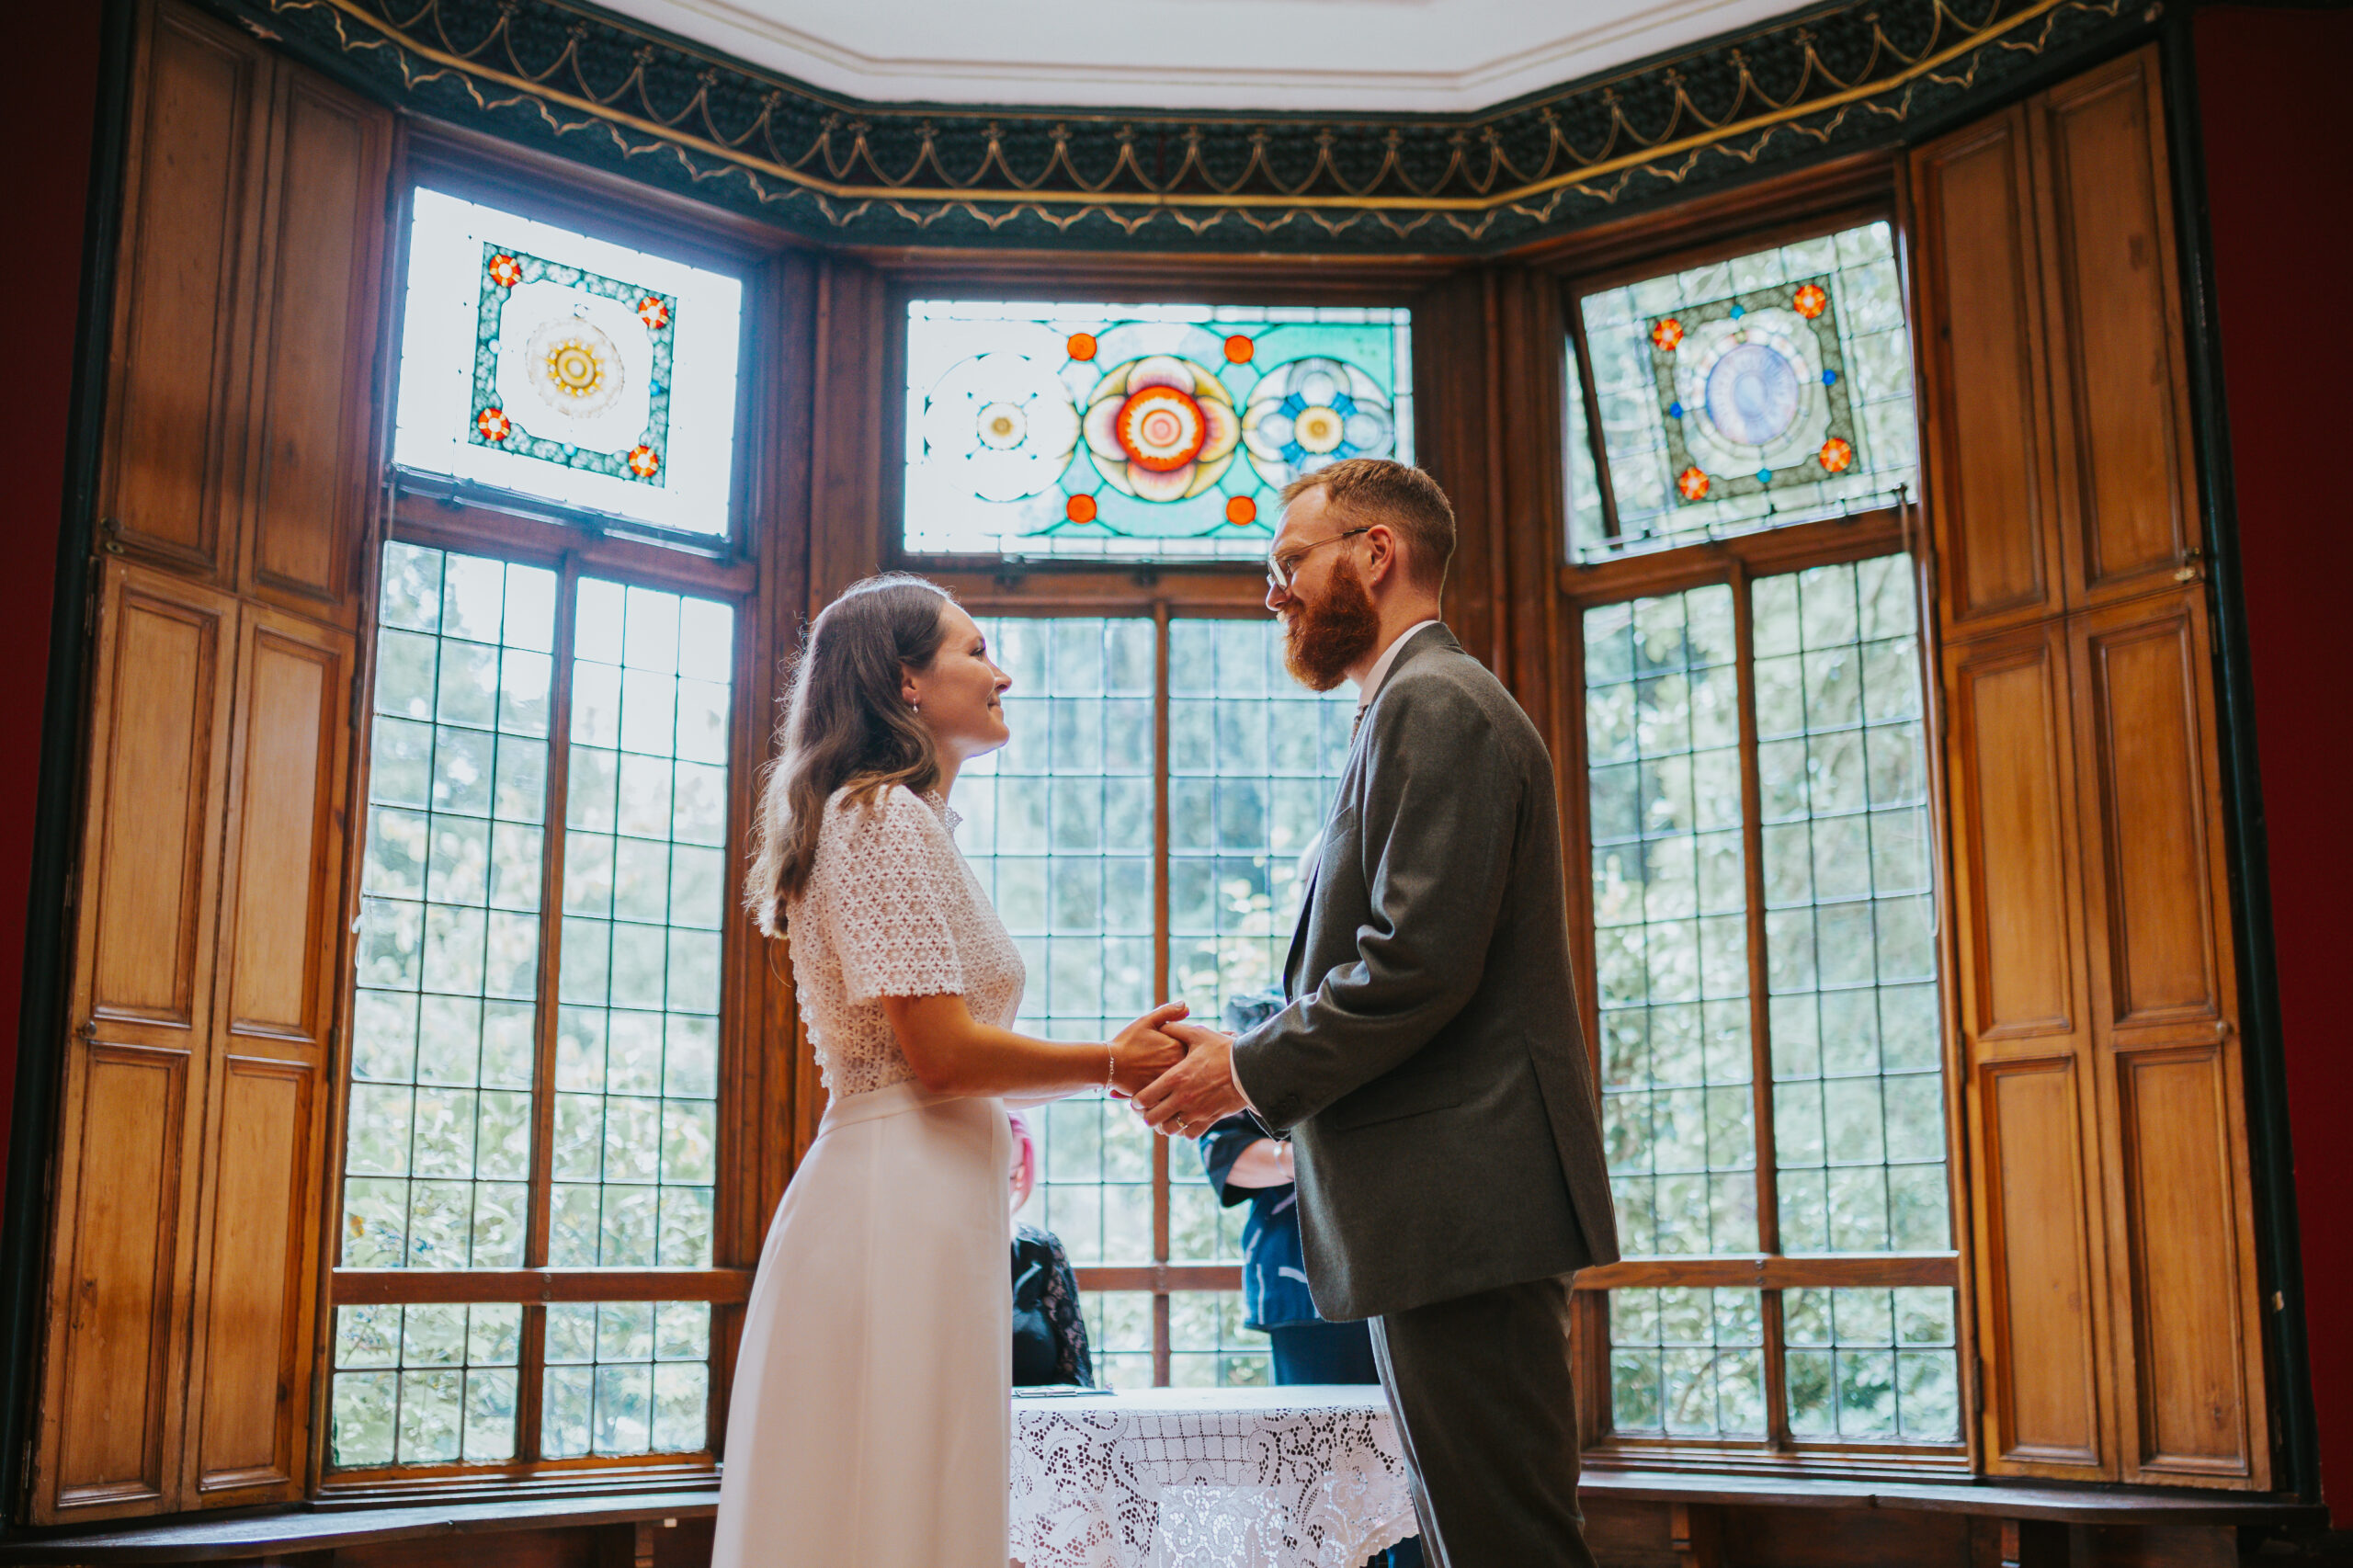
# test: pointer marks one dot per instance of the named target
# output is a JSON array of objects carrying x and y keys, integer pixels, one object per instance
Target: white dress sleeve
[{"x": 889, "y": 912}]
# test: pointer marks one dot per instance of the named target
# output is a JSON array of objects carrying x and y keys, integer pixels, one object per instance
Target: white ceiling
[{"x": 1261, "y": 55}]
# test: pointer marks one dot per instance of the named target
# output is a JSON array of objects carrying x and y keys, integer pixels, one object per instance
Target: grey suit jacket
[{"x": 1429, "y": 1064}]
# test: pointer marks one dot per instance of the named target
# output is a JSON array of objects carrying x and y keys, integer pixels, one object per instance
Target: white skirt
[{"x": 870, "y": 1424}]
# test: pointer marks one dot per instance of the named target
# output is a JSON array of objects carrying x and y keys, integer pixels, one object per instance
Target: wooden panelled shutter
[
  {"x": 234, "y": 496},
  {"x": 2119, "y": 1329}
]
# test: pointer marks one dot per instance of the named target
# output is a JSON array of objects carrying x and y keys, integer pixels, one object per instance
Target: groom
[{"x": 1429, "y": 1066}]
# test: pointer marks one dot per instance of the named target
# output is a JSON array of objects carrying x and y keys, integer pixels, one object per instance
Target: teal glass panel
[
  {"x": 437, "y": 1152},
  {"x": 646, "y": 890},
  {"x": 432, "y": 1385},
  {"x": 1769, "y": 388},
  {"x": 1670, "y": 911},
  {"x": 626, "y": 1377},
  {"x": 1137, "y": 432}
]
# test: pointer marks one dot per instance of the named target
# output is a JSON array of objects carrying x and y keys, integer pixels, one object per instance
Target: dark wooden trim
[
  {"x": 1774, "y": 1272},
  {"x": 387, "y": 1286},
  {"x": 1235, "y": 591},
  {"x": 1728, "y": 223},
  {"x": 1856, "y": 537},
  {"x": 472, "y": 521},
  {"x": 1162, "y": 1278},
  {"x": 1320, "y": 278}
]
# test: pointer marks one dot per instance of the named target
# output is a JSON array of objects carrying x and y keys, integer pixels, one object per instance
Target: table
[{"x": 1298, "y": 1477}]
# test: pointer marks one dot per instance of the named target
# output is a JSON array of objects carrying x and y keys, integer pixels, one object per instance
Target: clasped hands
[{"x": 1179, "y": 1076}]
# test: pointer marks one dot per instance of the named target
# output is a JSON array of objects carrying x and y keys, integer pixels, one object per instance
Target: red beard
[{"x": 1324, "y": 636}]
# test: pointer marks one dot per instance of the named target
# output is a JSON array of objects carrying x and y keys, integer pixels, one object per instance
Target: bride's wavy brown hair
[{"x": 847, "y": 724}]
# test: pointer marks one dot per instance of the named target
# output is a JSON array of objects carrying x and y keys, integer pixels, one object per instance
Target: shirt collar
[{"x": 1380, "y": 671}]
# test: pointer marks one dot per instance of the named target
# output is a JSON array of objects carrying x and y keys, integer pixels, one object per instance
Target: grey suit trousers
[{"x": 1487, "y": 1413}]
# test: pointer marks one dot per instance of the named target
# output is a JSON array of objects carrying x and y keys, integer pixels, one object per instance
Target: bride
[{"x": 870, "y": 1424}]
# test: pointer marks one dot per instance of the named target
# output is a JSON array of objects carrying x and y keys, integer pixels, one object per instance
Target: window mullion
[
  {"x": 1160, "y": 976},
  {"x": 1760, "y": 1026},
  {"x": 533, "y": 1357}
]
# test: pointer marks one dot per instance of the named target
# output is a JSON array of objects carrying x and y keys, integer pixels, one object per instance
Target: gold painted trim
[{"x": 1031, "y": 196}]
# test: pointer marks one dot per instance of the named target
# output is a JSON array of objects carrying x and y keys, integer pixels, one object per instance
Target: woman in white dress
[{"x": 870, "y": 1423}]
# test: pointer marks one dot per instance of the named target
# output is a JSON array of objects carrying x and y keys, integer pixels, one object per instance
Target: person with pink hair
[{"x": 1049, "y": 1332}]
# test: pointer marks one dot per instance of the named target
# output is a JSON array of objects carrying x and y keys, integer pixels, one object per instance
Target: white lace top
[{"x": 891, "y": 910}]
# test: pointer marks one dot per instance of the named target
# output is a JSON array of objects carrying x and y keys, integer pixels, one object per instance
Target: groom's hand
[{"x": 1191, "y": 1095}]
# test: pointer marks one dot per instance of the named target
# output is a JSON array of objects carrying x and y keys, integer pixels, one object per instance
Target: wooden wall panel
[
  {"x": 2038, "y": 1281},
  {"x": 250, "y": 1374},
  {"x": 2122, "y": 420},
  {"x": 2012, "y": 784},
  {"x": 316, "y": 340},
  {"x": 185, "y": 287},
  {"x": 1982, "y": 361},
  {"x": 2146, "y": 747},
  {"x": 113, "y": 1410},
  {"x": 254, "y": 1354},
  {"x": 156, "y": 782},
  {"x": 2182, "y": 1231}
]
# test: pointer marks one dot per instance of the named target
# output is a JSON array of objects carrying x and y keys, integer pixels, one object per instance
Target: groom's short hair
[{"x": 1374, "y": 490}]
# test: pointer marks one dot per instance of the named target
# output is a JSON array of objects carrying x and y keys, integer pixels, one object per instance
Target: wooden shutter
[
  {"x": 235, "y": 489},
  {"x": 2111, "y": 1207}
]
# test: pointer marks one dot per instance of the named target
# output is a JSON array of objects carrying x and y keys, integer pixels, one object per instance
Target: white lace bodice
[{"x": 891, "y": 910}]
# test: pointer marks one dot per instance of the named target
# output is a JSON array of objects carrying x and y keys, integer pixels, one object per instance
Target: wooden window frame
[
  {"x": 1813, "y": 203},
  {"x": 435, "y": 512}
]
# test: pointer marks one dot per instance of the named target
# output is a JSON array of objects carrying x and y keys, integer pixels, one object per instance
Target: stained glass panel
[
  {"x": 645, "y": 890},
  {"x": 1766, "y": 390},
  {"x": 1155, "y": 432},
  {"x": 538, "y": 359},
  {"x": 1670, "y": 921},
  {"x": 437, "y": 1159}
]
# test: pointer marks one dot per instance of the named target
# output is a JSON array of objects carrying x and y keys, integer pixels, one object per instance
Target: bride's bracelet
[{"x": 1111, "y": 1066}]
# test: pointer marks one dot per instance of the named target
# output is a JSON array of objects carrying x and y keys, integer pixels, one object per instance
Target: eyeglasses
[{"x": 1280, "y": 569}]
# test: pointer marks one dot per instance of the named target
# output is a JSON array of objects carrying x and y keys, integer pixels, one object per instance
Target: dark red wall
[
  {"x": 47, "y": 114},
  {"x": 2277, "y": 121}
]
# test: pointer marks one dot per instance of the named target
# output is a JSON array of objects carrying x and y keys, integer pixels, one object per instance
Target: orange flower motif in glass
[
  {"x": 1241, "y": 511},
  {"x": 644, "y": 462},
  {"x": 506, "y": 272},
  {"x": 493, "y": 424},
  {"x": 654, "y": 312},
  {"x": 1810, "y": 300},
  {"x": 1079, "y": 509},
  {"x": 1692, "y": 483},
  {"x": 1667, "y": 334},
  {"x": 1082, "y": 346},
  {"x": 1838, "y": 455},
  {"x": 1239, "y": 349}
]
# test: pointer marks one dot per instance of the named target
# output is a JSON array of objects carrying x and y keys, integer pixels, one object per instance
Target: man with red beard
[{"x": 1428, "y": 1066}]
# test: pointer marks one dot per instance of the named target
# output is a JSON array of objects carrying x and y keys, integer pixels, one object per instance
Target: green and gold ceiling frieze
[{"x": 602, "y": 90}]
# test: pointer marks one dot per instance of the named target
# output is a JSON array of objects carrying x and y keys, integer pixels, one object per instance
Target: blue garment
[{"x": 1274, "y": 1275}]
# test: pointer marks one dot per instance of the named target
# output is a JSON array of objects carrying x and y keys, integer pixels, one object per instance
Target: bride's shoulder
[{"x": 875, "y": 817}]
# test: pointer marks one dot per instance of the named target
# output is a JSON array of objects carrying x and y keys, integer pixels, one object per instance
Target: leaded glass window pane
[
  {"x": 1686, "y": 1362},
  {"x": 430, "y": 1384},
  {"x": 1670, "y": 921},
  {"x": 1850, "y": 928},
  {"x": 645, "y": 889},
  {"x": 1137, "y": 432},
  {"x": 1769, "y": 388},
  {"x": 1873, "y": 1364},
  {"x": 437, "y": 1159},
  {"x": 539, "y": 360},
  {"x": 626, "y": 1377}
]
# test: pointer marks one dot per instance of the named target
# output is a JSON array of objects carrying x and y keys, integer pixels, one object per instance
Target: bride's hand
[{"x": 1141, "y": 1052}]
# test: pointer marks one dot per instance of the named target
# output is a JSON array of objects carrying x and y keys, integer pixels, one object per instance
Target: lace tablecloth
[{"x": 1297, "y": 1477}]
